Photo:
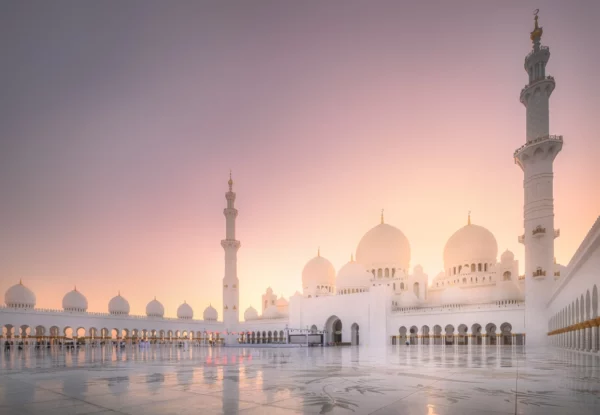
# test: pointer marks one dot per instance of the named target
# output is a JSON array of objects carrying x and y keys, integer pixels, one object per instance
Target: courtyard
[{"x": 334, "y": 380}]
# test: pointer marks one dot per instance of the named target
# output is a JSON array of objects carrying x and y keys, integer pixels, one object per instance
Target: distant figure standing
[{"x": 407, "y": 343}]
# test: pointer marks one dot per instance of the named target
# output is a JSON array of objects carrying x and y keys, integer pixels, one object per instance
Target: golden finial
[
  {"x": 351, "y": 257},
  {"x": 230, "y": 182},
  {"x": 537, "y": 30},
  {"x": 154, "y": 298},
  {"x": 469, "y": 218},
  {"x": 119, "y": 293},
  {"x": 75, "y": 289},
  {"x": 382, "y": 216},
  {"x": 319, "y": 251},
  {"x": 20, "y": 281}
]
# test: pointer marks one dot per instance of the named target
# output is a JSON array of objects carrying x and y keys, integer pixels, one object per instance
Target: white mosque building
[{"x": 376, "y": 299}]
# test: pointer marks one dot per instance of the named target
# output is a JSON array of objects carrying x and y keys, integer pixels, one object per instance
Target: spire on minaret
[
  {"x": 469, "y": 218},
  {"x": 382, "y": 216},
  {"x": 536, "y": 35},
  {"x": 230, "y": 182},
  {"x": 351, "y": 257},
  {"x": 20, "y": 281},
  {"x": 319, "y": 251}
]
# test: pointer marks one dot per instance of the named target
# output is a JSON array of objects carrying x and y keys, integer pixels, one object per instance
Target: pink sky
[{"x": 120, "y": 123}]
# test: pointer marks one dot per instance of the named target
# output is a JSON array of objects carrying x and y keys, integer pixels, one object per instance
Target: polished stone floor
[{"x": 351, "y": 380}]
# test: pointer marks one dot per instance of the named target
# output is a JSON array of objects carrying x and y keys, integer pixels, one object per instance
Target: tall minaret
[
  {"x": 536, "y": 158},
  {"x": 231, "y": 294}
]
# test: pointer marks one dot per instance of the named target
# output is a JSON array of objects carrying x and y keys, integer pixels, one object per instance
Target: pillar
[{"x": 594, "y": 330}]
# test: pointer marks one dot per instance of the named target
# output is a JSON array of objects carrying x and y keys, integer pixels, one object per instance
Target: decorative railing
[
  {"x": 557, "y": 274},
  {"x": 539, "y": 273},
  {"x": 535, "y": 82},
  {"x": 538, "y": 230},
  {"x": 539, "y": 140},
  {"x": 521, "y": 277},
  {"x": 459, "y": 307}
]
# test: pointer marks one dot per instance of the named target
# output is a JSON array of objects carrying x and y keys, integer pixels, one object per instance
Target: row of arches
[
  {"x": 351, "y": 291},
  {"x": 472, "y": 280},
  {"x": 576, "y": 325},
  {"x": 31, "y": 334},
  {"x": 455, "y": 270},
  {"x": 386, "y": 272},
  {"x": 449, "y": 335},
  {"x": 263, "y": 337}
]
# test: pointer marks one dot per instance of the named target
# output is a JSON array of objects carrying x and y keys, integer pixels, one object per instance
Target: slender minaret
[
  {"x": 231, "y": 294},
  {"x": 536, "y": 158}
]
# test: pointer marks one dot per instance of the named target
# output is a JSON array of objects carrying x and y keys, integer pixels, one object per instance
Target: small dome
[
  {"x": 19, "y": 296},
  {"x": 155, "y": 309},
  {"x": 281, "y": 302},
  {"x": 250, "y": 314},
  {"x": 271, "y": 312},
  {"x": 185, "y": 311},
  {"x": 353, "y": 275},
  {"x": 318, "y": 272},
  {"x": 471, "y": 244},
  {"x": 408, "y": 299},
  {"x": 384, "y": 246},
  {"x": 506, "y": 290},
  {"x": 75, "y": 301},
  {"x": 440, "y": 276},
  {"x": 418, "y": 270},
  {"x": 507, "y": 256},
  {"x": 454, "y": 295},
  {"x": 118, "y": 305},
  {"x": 210, "y": 314}
]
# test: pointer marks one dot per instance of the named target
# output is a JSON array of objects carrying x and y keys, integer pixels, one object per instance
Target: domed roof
[
  {"x": 418, "y": 270},
  {"x": 118, "y": 305},
  {"x": 454, "y": 295},
  {"x": 318, "y": 271},
  {"x": 507, "y": 256},
  {"x": 155, "y": 309},
  {"x": 506, "y": 290},
  {"x": 281, "y": 302},
  {"x": 210, "y": 313},
  {"x": 384, "y": 246},
  {"x": 470, "y": 244},
  {"x": 352, "y": 275},
  {"x": 185, "y": 311},
  {"x": 74, "y": 301},
  {"x": 19, "y": 296},
  {"x": 271, "y": 312},
  {"x": 250, "y": 314},
  {"x": 408, "y": 299}
]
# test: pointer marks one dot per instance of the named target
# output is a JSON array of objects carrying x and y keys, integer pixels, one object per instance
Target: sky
[{"x": 119, "y": 122}]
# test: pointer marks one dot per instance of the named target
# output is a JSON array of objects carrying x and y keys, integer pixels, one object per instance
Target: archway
[
  {"x": 355, "y": 335},
  {"x": 333, "y": 327},
  {"x": 437, "y": 334},
  {"x": 449, "y": 331},
  {"x": 402, "y": 332},
  {"x": 413, "y": 335},
  {"x": 476, "y": 334},
  {"x": 462, "y": 334},
  {"x": 490, "y": 331},
  {"x": 506, "y": 332},
  {"x": 425, "y": 335}
]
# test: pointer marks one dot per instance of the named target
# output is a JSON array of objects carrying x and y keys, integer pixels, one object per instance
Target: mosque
[{"x": 376, "y": 299}]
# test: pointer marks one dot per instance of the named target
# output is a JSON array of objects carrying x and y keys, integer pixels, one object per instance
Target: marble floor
[{"x": 347, "y": 380}]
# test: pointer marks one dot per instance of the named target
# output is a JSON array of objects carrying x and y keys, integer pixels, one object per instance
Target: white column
[{"x": 594, "y": 338}]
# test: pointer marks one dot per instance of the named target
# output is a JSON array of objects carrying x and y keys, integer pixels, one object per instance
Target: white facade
[{"x": 376, "y": 300}]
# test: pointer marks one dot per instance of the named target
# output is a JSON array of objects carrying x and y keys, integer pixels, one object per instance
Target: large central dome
[
  {"x": 471, "y": 244},
  {"x": 384, "y": 246}
]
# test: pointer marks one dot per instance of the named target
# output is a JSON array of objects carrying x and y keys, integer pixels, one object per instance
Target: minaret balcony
[
  {"x": 538, "y": 231},
  {"x": 543, "y": 82},
  {"x": 550, "y": 146},
  {"x": 521, "y": 239},
  {"x": 539, "y": 273}
]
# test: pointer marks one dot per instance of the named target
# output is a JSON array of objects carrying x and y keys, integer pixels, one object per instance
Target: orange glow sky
[{"x": 120, "y": 124}]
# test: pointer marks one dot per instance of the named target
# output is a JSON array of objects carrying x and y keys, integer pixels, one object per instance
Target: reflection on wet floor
[{"x": 350, "y": 380}]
